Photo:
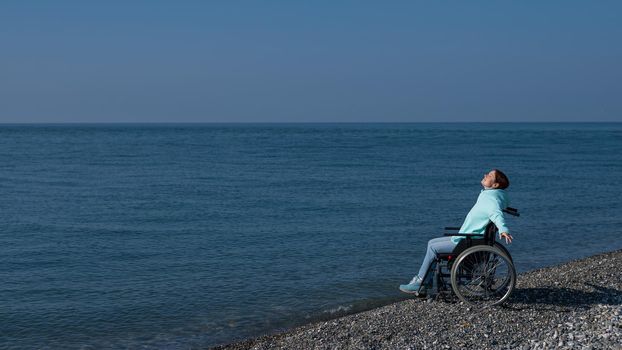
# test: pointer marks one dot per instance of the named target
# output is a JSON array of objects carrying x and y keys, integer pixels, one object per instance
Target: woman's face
[{"x": 489, "y": 180}]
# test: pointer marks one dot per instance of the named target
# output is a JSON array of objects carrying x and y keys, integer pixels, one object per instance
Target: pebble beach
[{"x": 576, "y": 305}]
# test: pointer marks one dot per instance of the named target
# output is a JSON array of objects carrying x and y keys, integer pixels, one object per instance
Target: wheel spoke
[{"x": 483, "y": 276}]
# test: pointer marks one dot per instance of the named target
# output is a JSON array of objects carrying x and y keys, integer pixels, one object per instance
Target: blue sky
[{"x": 310, "y": 61}]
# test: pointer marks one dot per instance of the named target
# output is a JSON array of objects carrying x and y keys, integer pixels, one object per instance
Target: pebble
[{"x": 575, "y": 305}]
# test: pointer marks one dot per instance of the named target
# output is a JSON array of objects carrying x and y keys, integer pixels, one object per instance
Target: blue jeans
[{"x": 435, "y": 246}]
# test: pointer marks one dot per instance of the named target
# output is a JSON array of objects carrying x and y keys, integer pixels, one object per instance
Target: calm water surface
[{"x": 177, "y": 236}]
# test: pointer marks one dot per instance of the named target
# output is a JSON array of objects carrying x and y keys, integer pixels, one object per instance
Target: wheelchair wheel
[
  {"x": 504, "y": 250},
  {"x": 483, "y": 275}
]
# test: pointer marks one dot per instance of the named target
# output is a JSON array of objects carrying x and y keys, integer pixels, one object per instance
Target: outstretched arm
[{"x": 497, "y": 217}]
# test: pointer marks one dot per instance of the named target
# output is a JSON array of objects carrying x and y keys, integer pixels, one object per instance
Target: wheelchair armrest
[{"x": 464, "y": 234}]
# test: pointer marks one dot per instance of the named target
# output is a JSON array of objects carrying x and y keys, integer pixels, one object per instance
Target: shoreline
[{"x": 577, "y": 304}]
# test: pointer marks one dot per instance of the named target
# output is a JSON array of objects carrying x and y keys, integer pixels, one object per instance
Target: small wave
[
  {"x": 339, "y": 309},
  {"x": 351, "y": 308}
]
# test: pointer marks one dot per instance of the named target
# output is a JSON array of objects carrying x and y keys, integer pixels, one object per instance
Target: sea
[{"x": 177, "y": 236}]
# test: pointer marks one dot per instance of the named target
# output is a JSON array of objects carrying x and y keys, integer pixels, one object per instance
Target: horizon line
[{"x": 306, "y": 122}]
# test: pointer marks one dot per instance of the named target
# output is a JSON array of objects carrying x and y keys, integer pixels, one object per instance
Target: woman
[{"x": 489, "y": 207}]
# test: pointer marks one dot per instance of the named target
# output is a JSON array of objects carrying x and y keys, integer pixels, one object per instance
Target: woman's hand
[{"x": 507, "y": 236}]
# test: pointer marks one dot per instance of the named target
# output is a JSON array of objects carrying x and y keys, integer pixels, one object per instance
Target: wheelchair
[{"x": 480, "y": 270}]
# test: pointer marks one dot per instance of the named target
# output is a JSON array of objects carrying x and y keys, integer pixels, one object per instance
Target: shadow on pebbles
[{"x": 576, "y": 305}]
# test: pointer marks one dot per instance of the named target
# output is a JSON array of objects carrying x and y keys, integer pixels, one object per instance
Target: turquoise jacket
[{"x": 489, "y": 207}]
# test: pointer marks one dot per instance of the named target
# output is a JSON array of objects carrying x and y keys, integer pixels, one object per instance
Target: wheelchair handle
[{"x": 511, "y": 211}]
